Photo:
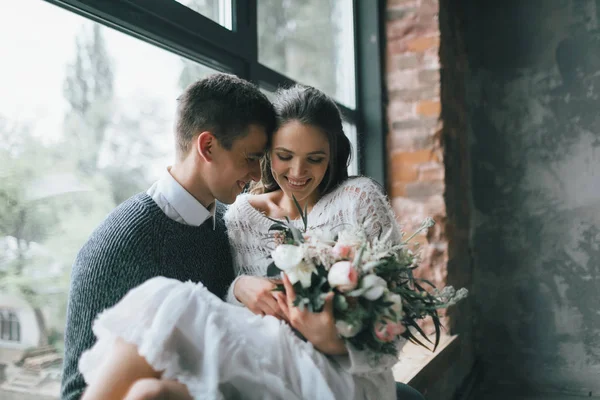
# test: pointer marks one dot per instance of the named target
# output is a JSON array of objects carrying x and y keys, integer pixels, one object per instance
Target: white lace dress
[{"x": 221, "y": 350}]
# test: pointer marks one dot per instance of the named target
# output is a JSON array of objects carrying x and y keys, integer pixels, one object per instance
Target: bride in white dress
[{"x": 176, "y": 338}]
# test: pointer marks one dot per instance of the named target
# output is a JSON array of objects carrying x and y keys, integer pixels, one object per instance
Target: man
[{"x": 175, "y": 229}]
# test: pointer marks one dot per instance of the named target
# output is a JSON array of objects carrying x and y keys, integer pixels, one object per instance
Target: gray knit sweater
[{"x": 136, "y": 242}]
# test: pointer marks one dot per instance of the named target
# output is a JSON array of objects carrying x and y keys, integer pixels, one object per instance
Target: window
[
  {"x": 217, "y": 10},
  {"x": 89, "y": 91},
  {"x": 10, "y": 329},
  {"x": 311, "y": 41},
  {"x": 90, "y": 108}
]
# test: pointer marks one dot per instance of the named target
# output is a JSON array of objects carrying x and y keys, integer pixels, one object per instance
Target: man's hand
[{"x": 257, "y": 295}]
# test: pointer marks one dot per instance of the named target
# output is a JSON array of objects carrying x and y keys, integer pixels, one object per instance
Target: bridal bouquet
[{"x": 376, "y": 297}]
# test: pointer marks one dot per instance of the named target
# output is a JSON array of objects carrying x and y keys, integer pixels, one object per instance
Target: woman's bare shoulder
[{"x": 264, "y": 202}]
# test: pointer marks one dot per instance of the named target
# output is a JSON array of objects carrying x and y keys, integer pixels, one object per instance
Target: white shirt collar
[{"x": 191, "y": 211}]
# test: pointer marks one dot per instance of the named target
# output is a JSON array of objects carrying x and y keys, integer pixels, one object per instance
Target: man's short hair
[{"x": 223, "y": 104}]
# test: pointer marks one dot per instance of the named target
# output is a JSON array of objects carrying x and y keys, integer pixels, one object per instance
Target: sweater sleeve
[
  {"x": 246, "y": 242},
  {"x": 373, "y": 209},
  {"x": 368, "y": 205},
  {"x": 110, "y": 264}
]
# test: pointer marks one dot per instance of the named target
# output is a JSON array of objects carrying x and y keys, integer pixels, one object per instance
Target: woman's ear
[{"x": 205, "y": 145}]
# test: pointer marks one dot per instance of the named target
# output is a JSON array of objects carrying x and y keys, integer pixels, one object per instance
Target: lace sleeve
[
  {"x": 249, "y": 241},
  {"x": 371, "y": 207},
  {"x": 361, "y": 201},
  {"x": 234, "y": 233}
]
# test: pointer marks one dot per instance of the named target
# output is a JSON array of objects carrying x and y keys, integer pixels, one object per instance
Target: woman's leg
[
  {"x": 157, "y": 389},
  {"x": 122, "y": 368}
]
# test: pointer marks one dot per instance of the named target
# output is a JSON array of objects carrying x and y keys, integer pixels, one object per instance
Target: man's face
[{"x": 232, "y": 169}]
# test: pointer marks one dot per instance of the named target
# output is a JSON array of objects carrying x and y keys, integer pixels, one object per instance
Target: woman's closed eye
[
  {"x": 312, "y": 160},
  {"x": 283, "y": 157}
]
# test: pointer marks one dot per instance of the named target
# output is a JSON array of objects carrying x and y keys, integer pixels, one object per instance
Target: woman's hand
[
  {"x": 257, "y": 295},
  {"x": 317, "y": 328}
]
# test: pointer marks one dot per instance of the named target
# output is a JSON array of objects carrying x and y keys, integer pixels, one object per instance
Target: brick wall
[
  {"x": 428, "y": 162},
  {"x": 415, "y": 157}
]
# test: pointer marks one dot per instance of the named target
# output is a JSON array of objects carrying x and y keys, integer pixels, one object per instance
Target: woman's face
[{"x": 299, "y": 159}]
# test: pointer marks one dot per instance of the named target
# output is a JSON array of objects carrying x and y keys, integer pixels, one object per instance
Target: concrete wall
[{"x": 533, "y": 115}]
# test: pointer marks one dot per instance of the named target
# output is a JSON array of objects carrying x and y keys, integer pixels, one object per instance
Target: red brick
[
  {"x": 411, "y": 139},
  {"x": 403, "y": 79},
  {"x": 420, "y": 44},
  {"x": 401, "y": 3},
  {"x": 412, "y": 25},
  {"x": 429, "y": 108},
  {"x": 429, "y": 76},
  {"x": 424, "y": 93},
  {"x": 425, "y": 123},
  {"x": 431, "y": 172},
  {"x": 423, "y": 189},
  {"x": 412, "y": 157},
  {"x": 399, "y": 14},
  {"x": 397, "y": 189},
  {"x": 397, "y": 46},
  {"x": 429, "y": 8},
  {"x": 431, "y": 59},
  {"x": 435, "y": 205},
  {"x": 404, "y": 61},
  {"x": 410, "y": 212},
  {"x": 401, "y": 110},
  {"x": 405, "y": 173}
]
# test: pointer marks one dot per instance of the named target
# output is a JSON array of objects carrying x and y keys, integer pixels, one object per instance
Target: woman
[{"x": 179, "y": 331}]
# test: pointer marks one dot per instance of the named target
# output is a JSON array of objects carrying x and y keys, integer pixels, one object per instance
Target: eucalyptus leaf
[
  {"x": 273, "y": 271},
  {"x": 340, "y": 303}
]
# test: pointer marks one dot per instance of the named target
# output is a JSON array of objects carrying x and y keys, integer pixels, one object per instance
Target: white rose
[
  {"x": 287, "y": 256},
  {"x": 303, "y": 273},
  {"x": 347, "y": 330},
  {"x": 374, "y": 285}
]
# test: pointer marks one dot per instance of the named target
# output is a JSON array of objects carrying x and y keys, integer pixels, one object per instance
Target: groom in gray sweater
[{"x": 175, "y": 229}]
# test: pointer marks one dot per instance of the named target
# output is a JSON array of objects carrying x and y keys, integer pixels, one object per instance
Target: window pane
[
  {"x": 86, "y": 121},
  {"x": 218, "y": 10},
  {"x": 311, "y": 41}
]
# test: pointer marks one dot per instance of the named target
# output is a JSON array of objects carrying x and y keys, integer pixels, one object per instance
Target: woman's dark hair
[{"x": 310, "y": 106}]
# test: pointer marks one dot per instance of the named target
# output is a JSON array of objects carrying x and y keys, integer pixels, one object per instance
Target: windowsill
[{"x": 415, "y": 361}]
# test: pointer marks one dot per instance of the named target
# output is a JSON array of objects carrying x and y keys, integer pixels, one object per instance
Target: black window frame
[{"x": 178, "y": 29}]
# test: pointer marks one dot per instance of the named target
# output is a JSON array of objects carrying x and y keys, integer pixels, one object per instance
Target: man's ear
[{"x": 205, "y": 145}]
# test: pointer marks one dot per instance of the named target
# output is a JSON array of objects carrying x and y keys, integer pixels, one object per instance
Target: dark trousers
[{"x": 405, "y": 392}]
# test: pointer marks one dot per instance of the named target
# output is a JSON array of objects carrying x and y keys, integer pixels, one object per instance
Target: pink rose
[
  {"x": 396, "y": 328},
  {"x": 342, "y": 251},
  {"x": 389, "y": 331},
  {"x": 343, "y": 276}
]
